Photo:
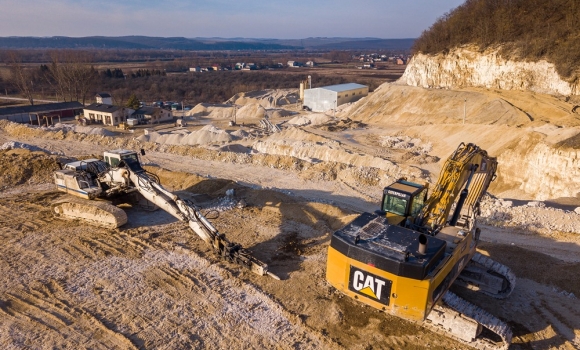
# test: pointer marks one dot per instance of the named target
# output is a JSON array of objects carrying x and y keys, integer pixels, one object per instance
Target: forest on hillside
[{"x": 523, "y": 29}]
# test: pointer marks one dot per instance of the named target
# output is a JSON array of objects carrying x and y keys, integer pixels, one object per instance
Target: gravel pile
[
  {"x": 408, "y": 143},
  {"x": 15, "y": 145},
  {"x": 533, "y": 216},
  {"x": 89, "y": 130}
]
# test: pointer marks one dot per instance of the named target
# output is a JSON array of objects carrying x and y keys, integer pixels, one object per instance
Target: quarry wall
[
  {"x": 541, "y": 170},
  {"x": 466, "y": 67}
]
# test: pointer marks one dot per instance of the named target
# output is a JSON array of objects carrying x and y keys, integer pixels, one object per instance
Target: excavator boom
[
  {"x": 469, "y": 171},
  {"x": 185, "y": 210}
]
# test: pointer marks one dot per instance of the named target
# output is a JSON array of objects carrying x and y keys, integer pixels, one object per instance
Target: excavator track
[
  {"x": 487, "y": 276},
  {"x": 459, "y": 319},
  {"x": 465, "y": 322},
  {"x": 97, "y": 213}
]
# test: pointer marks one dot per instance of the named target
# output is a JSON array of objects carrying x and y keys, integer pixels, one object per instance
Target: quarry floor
[{"x": 152, "y": 284}]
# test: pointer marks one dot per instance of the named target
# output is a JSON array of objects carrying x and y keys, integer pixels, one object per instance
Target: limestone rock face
[
  {"x": 467, "y": 67},
  {"x": 542, "y": 171}
]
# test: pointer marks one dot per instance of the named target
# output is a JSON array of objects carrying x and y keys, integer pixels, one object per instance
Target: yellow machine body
[
  {"x": 390, "y": 274},
  {"x": 404, "y": 257}
]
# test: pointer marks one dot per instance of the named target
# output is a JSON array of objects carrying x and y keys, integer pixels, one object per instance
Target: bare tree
[
  {"x": 21, "y": 76},
  {"x": 72, "y": 74}
]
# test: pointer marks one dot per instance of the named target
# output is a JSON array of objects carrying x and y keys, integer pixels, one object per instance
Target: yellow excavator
[
  {"x": 95, "y": 184},
  {"x": 403, "y": 258}
]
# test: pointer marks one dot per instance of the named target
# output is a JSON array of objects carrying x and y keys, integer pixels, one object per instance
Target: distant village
[
  {"x": 367, "y": 61},
  {"x": 105, "y": 113}
]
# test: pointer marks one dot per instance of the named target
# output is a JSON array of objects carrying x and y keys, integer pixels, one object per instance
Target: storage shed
[
  {"x": 42, "y": 113},
  {"x": 329, "y": 97}
]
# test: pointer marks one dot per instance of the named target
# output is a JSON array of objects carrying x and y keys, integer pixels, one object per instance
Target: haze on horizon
[{"x": 277, "y": 19}]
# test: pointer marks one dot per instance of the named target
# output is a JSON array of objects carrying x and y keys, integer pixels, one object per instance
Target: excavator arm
[
  {"x": 185, "y": 210},
  {"x": 467, "y": 173}
]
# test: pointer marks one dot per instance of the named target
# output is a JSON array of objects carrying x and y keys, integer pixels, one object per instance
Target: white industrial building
[{"x": 329, "y": 97}]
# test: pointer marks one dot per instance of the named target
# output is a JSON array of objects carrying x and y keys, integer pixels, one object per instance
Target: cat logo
[{"x": 369, "y": 285}]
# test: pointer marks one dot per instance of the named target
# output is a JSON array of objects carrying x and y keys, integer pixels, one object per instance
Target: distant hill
[
  {"x": 524, "y": 29},
  {"x": 131, "y": 42},
  {"x": 202, "y": 44},
  {"x": 368, "y": 44},
  {"x": 329, "y": 43}
]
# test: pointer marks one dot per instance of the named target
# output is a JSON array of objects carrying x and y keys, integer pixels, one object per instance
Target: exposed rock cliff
[
  {"x": 467, "y": 67},
  {"x": 541, "y": 170}
]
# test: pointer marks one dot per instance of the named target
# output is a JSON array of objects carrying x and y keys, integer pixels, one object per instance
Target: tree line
[
  {"x": 70, "y": 75},
  {"x": 523, "y": 29}
]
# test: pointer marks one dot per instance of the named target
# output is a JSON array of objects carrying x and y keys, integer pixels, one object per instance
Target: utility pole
[{"x": 464, "y": 109}]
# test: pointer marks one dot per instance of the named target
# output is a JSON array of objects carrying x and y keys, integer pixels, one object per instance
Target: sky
[{"x": 277, "y": 19}]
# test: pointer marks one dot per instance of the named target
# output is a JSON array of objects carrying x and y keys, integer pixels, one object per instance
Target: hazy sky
[{"x": 292, "y": 19}]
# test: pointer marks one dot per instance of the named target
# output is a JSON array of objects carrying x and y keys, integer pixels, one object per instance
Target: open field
[
  {"x": 181, "y": 85},
  {"x": 153, "y": 284}
]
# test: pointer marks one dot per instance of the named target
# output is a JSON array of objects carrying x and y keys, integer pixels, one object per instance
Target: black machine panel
[{"x": 370, "y": 239}]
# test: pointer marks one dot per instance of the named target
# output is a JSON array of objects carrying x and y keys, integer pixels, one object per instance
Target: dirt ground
[{"x": 152, "y": 284}]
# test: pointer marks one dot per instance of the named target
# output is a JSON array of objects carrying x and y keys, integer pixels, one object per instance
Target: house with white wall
[
  {"x": 152, "y": 115},
  {"x": 98, "y": 113}
]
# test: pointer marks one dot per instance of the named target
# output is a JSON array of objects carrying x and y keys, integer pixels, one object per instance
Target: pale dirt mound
[
  {"x": 211, "y": 111},
  {"x": 411, "y": 106},
  {"x": 89, "y": 130},
  {"x": 21, "y": 166},
  {"x": 532, "y": 135},
  {"x": 243, "y": 113},
  {"x": 407, "y": 143},
  {"x": 310, "y": 119},
  {"x": 266, "y": 98},
  {"x": 19, "y": 145},
  {"x": 207, "y": 135},
  {"x": 241, "y": 134},
  {"x": 251, "y": 112},
  {"x": 246, "y": 113},
  {"x": 279, "y": 113},
  {"x": 234, "y": 148},
  {"x": 533, "y": 216},
  {"x": 315, "y": 148}
]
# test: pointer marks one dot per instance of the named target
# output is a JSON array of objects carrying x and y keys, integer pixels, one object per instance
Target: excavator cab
[
  {"x": 121, "y": 157},
  {"x": 402, "y": 201}
]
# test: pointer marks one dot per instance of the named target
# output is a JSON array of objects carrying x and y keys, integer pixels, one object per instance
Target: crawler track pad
[{"x": 96, "y": 213}]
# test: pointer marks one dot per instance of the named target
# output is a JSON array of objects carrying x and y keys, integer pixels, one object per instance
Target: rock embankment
[{"x": 468, "y": 67}]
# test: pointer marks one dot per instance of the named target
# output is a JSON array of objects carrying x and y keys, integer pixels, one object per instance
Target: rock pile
[{"x": 532, "y": 216}]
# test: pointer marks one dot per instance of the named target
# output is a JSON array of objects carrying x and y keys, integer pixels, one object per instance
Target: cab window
[
  {"x": 418, "y": 203},
  {"x": 395, "y": 205}
]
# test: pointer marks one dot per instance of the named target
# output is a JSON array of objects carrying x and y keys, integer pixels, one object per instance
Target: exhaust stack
[{"x": 422, "y": 244}]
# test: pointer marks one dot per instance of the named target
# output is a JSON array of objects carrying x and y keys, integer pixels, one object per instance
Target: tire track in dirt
[
  {"x": 134, "y": 288},
  {"x": 47, "y": 319},
  {"x": 200, "y": 300}
]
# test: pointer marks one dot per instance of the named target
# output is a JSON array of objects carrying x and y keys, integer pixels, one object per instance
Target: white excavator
[{"x": 95, "y": 184}]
